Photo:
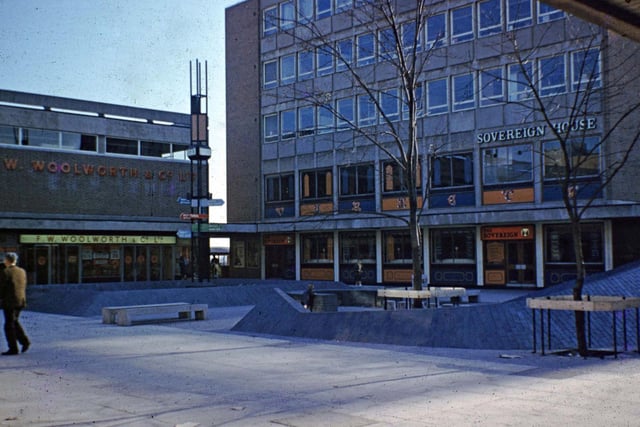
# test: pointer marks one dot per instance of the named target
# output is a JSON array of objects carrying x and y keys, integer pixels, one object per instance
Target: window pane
[
  {"x": 584, "y": 158},
  {"x": 154, "y": 149},
  {"x": 552, "y": 76},
  {"x": 491, "y": 87},
  {"x": 559, "y": 243},
  {"x": 462, "y": 24},
  {"x": 437, "y": 97},
  {"x": 386, "y": 45},
  {"x": 9, "y": 135},
  {"x": 366, "y": 46},
  {"x": 270, "y": 74},
  {"x": 42, "y": 138},
  {"x": 463, "y": 92},
  {"x": 520, "y": 81},
  {"x": 288, "y": 124},
  {"x": 271, "y": 127},
  {"x": 585, "y": 69},
  {"x": 324, "y": 60},
  {"x": 287, "y": 18},
  {"x": 397, "y": 247},
  {"x": 409, "y": 36},
  {"x": 453, "y": 246},
  {"x": 489, "y": 17},
  {"x": 305, "y": 10},
  {"x": 453, "y": 170},
  {"x": 548, "y": 13},
  {"x": 270, "y": 21},
  {"x": 342, "y": 5},
  {"x": 345, "y": 54},
  {"x": 436, "y": 30},
  {"x": 306, "y": 121},
  {"x": 507, "y": 164},
  {"x": 419, "y": 103},
  {"x": 288, "y": 69},
  {"x": 122, "y": 146},
  {"x": 305, "y": 65},
  {"x": 345, "y": 117},
  {"x": 323, "y": 8},
  {"x": 518, "y": 14},
  {"x": 389, "y": 102},
  {"x": 366, "y": 111},
  {"x": 325, "y": 119}
]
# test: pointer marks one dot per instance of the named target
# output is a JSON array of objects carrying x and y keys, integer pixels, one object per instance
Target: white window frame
[
  {"x": 516, "y": 22},
  {"x": 551, "y": 14},
  {"x": 305, "y": 11},
  {"x": 468, "y": 102},
  {"x": 493, "y": 28},
  {"x": 325, "y": 119},
  {"x": 324, "y": 13},
  {"x": 267, "y": 118},
  {"x": 435, "y": 109},
  {"x": 289, "y": 78},
  {"x": 342, "y": 5},
  {"x": 269, "y": 27},
  {"x": 519, "y": 90},
  {"x": 386, "y": 45},
  {"x": 370, "y": 57},
  {"x": 420, "y": 88},
  {"x": 305, "y": 129},
  {"x": 545, "y": 66},
  {"x": 582, "y": 81},
  {"x": 463, "y": 36},
  {"x": 342, "y": 124},
  {"x": 341, "y": 60},
  {"x": 323, "y": 70},
  {"x": 490, "y": 78},
  {"x": 287, "y": 15},
  {"x": 441, "y": 38},
  {"x": 305, "y": 70},
  {"x": 290, "y": 116},
  {"x": 366, "y": 110},
  {"x": 268, "y": 84},
  {"x": 408, "y": 32},
  {"x": 391, "y": 98}
]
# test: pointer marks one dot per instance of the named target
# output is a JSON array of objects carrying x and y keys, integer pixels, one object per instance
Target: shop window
[
  {"x": 585, "y": 69},
  {"x": 437, "y": 102},
  {"x": 358, "y": 247},
  {"x": 317, "y": 249},
  {"x": 436, "y": 31},
  {"x": 489, "y": 17},
  {"x": 271, "y": 128},
  {"x": 520, "y": 81},
  {"x": 317, "y": 184},
  {"x": 453, "y": 246},
  {"x": 463, "y": 92},
  {"x": 518, "y": 14},
  {"x": 345, "y": 54},
  {"x": 366, "y": 49},
  {"x": 552, "y": 75},
  {"x": 270, "y": 74},
  {"x": 491, "y": 86},
  {"x": 452, "y": 170},
  {"x": 462, "y": 24},
  {"x": 559, "y": 244},
  {"x": 393, "y": 179},
  {"x": 507, "y": 165},
  {"x": 547, "y": 13},
  {"x": 397, "y": 247},
  {"x": 280, "y": 188},
  {"x": 270, "y": 21},
  {"x": 583, "y": 155},
  {"x": 357, "y": 180}
]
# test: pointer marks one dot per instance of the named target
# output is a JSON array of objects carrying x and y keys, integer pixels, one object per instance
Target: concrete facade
[{"x": 497, "y": 222}]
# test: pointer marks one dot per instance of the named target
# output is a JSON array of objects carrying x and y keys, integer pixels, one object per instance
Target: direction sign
[
  {"x": 190, "y": 216},
  {"x": 184, "y": 201},
  {"x": 206, "y": 202}
]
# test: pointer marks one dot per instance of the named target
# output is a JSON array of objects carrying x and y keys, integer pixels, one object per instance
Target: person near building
[
  {"x": 307, "y": 298},
  {"x": 14, "y": 300},
  {"x": 358, "y": 274}
]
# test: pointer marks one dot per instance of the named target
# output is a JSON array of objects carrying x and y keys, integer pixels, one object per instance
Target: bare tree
[
  {"x": 395, "y": 103},
  {"x": 603, "y": 76}
]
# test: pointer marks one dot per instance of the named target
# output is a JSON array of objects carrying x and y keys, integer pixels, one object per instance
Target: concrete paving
[{"x": 197, "y": 373}]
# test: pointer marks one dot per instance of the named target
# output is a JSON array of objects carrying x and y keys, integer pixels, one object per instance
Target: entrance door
[
  {"x": 280, "y": 262},
  {"x": 521, "y": 258}
]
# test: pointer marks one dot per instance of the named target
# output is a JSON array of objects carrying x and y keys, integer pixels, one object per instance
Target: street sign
[
  {"x": 183, "y": 201},
  {"x": 206, "y": 202},
  {"x": 190, "y": 216}
]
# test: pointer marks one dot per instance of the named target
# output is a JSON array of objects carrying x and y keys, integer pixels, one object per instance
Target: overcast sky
[{"x": 129, "y": 52}]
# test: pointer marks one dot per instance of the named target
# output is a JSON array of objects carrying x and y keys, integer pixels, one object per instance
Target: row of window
[
  {"x": 447, "y": 245},
  {"x": 52, "y": 139},
  {"x": 502, "y": 165},
  {"x": 488, "y": 16},
  {"x": 456, "y": 93}
]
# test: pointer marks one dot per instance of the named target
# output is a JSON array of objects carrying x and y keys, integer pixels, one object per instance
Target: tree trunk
[{"x": 577, "y": 288}]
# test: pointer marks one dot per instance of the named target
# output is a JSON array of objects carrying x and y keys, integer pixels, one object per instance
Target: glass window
[
  {"x": 342, "y": 5},
  {"x": 317, "y": 248},
  {"x": 357, "y": 180},
  {"x": 489, "y": 17},
  {"x": 462, "y": 24},
  {"x": 344, "y": 108},
  {"x": 122, "y": 146},
  {"x": 518, "y": 14},
  {"x": 358, "y": 247},
  {"x": 305, "y": 10},
  {"x": 271, "y": 128},
  {"x": 366, "y": 111},
  {"x": 317, "y": 184},
  {"x": 154, "y": 149},
  {"x": 366, "y": 49},
  {"x": 437, "y": 97},
  {"x": 397, "y": 247},
  {"x": 386, "y": 45},
  {"x": 306, "y": 121},
  {"x": 324, "y": 61},
  {"x": 288, "y": 69},
  {"x": 270, "y": 21},
  {"x": 409, "y": 37},
  {"x": 559, "y": 243},
  {"x": 507, "y": 164},
  {"x": 520, "y": 81},
  {"x": 87, "y": 142},
  {"x": 270, "y": 73},
  {"x": 436, "y": 31},
  {"x": 393, "y": 177},
  {"x": 453, "y": 246},
  {"x": 419, "y": 103},
  {"x": 73, "y": 141},
  {"x": 288, "y": 124},
  {"x": 280, "y": 188},
  {"x": 287, "y": 15},
  {"x": 548, "y": 13},
  {"x": 323, "y": 8},
  {"x": 552, "y": 75},
  {"x": 583, "y": 156},
  {"x": 389, "y": 103},
  {"x": 585, "y": 69},
  {"x": 325, "y": 119},
  {"x": 42, "y": 138},
  {"x": 452, "y": 170},
  {"x": 491, "y": 86},
  {"x": 345, "y": 54},
  {"x": 463, "y": 92},
  {"x": 9, "y": 135},
  {"x": 305, "y": 65}
]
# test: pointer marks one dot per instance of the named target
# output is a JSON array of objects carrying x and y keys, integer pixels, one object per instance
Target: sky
[{"x": 127, "y": 52}]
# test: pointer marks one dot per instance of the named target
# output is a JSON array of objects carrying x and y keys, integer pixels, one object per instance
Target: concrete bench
[{"x": 124, "y": 315}]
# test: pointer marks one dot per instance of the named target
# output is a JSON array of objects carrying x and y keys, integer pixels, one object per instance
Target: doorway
[{"x": 280, "y": 262}]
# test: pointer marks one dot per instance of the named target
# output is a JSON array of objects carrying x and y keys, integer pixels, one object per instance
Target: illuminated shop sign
[
  {"x": 515, "y": 134},
  {"x": 96, "y": 239},
  {"x": 518, "y": 232}
]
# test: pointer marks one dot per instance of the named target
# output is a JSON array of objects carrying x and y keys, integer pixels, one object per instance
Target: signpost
[
  {"x": 206, "y": 202},
  {"x": 189, "y": 216}
]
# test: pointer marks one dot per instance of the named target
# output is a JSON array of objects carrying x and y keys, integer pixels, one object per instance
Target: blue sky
[{"x": 129, "y": 52}]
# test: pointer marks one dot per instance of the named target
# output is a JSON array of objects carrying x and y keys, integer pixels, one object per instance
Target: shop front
[
  {"x": 280, "y": 256},
  {"x": 509, "y": 255}
]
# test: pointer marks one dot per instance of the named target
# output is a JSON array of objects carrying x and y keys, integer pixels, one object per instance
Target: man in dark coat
[{"x": 14, "y": 299}]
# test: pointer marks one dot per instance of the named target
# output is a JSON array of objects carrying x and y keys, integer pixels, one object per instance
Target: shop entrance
[
  {"x": 521, "y": 262},
  {"x": 509, "y": 255},
  {"x": 280, "y": 262}
]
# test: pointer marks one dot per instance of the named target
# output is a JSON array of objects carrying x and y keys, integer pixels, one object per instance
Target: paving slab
[{"x": 81, "y": 372}]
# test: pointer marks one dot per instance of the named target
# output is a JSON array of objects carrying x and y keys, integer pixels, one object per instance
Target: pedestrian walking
[{"x": 14, "y": 300}]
